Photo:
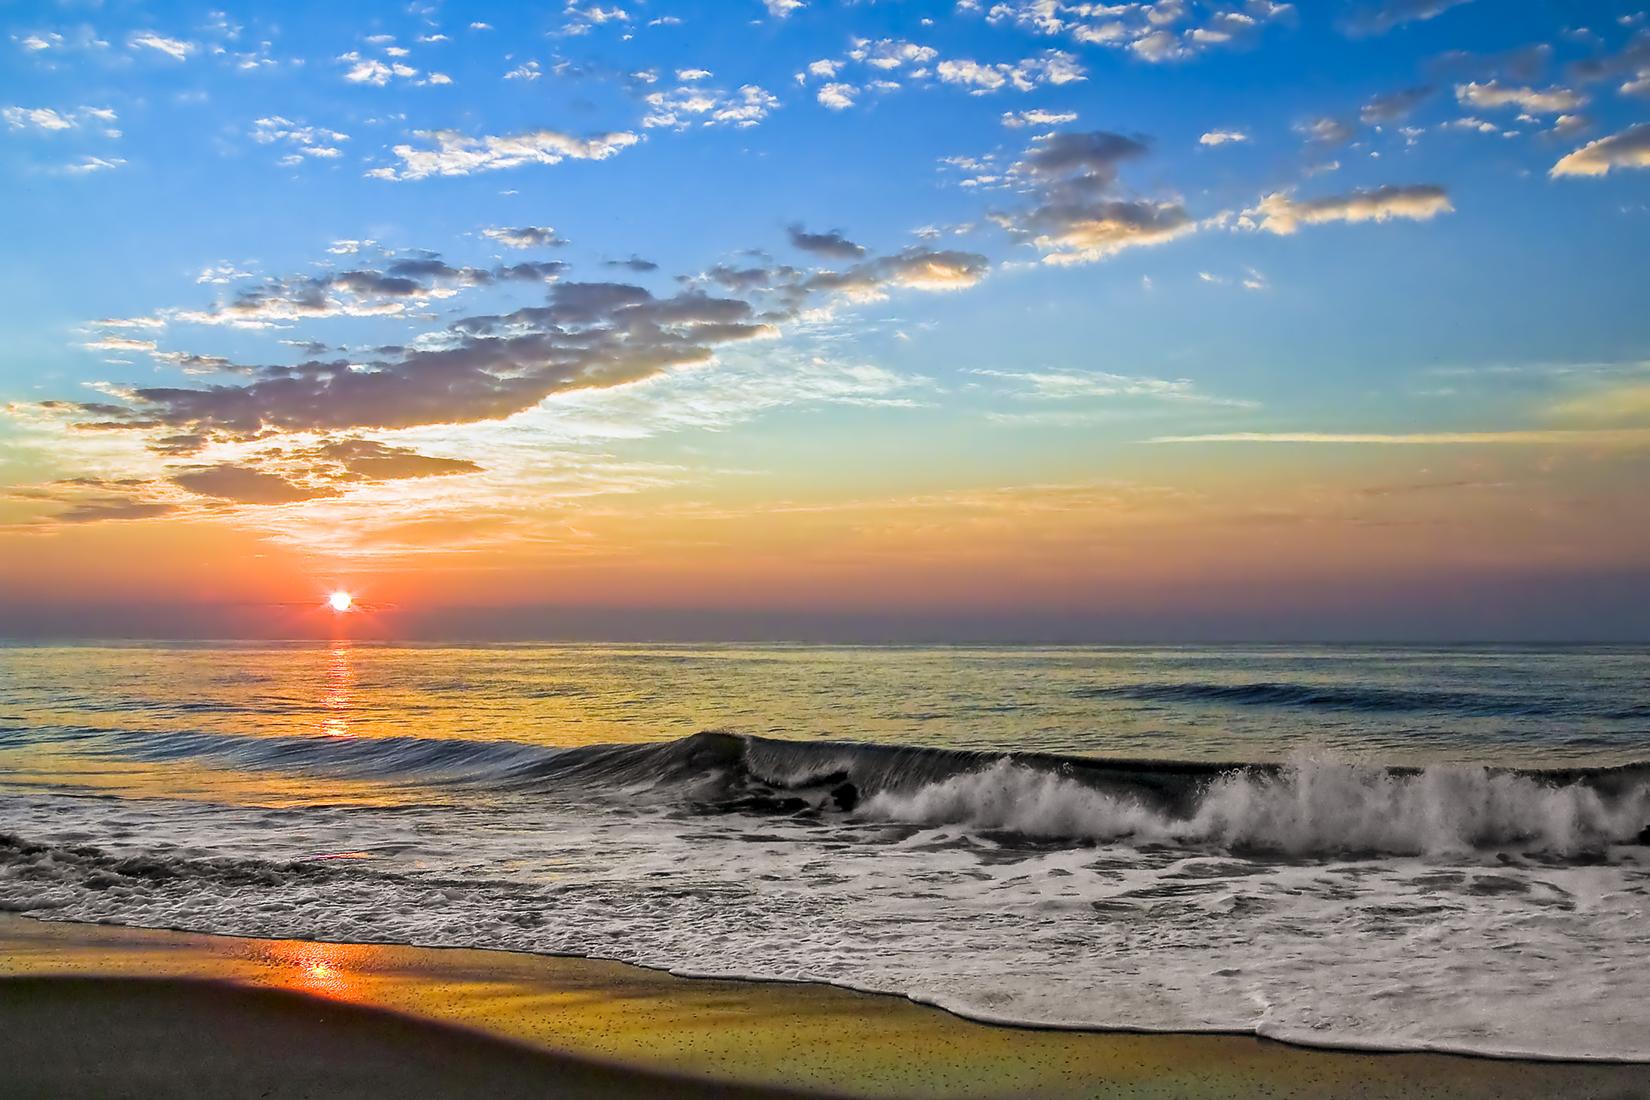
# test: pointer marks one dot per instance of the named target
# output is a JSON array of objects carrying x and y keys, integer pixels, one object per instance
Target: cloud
[
  {"x": 1015, "y": 120},
  {"x": 888, "y": 54},
  {"x": 1632, "y": 60},
  {"x": 1325, "y": 131},
  {"x": 175, "y": 48},
  {"x": 524, "y": 236},
  {"x": 1628, "y": 149},
  {"x": 1534, "y": 437},
  {"x": 87, "y": 165},
  {"x": 837, "y": 97},
  {"x": 119, "y": 343},
  {"x": 113, "y": 508},
  {"x": 1393, "y": 106},
  {"x": 306, "y": 141},
  {"x": 1072, "y": 385},
  {"x": 1095, "y": 154},
  {"x": 372, "y": 460},
  {"x": 914, "y": 268},
  {"x": 1391, "y": 14},
  {"x": 781, "y": 9},
  {"x": 1493, "y": 94},
  {"x": 1078, "y": 216},
  {"x": 694, "y": 103},
  {"x": 1166, "y": 31},
  {"x": 1051, "y": 67},
  {"x": 360, "y": 292},
  {"x": 245, "y": 485},
  {"x": 456, "y": 154},
  {"x": 377, "y": 73},
  {"x": 49, "y": 121},
  {"x": 1222, "y": 137},
  {"x": 589, "y": 335},
  {"x": 1281, "y": 213},
  {"x": 832, "y": 245}
]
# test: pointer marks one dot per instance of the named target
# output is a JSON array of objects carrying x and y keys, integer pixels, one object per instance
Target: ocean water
[{"x": 1393, "y": 848}]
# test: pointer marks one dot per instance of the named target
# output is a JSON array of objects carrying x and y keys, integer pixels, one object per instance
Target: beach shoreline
[{"x": 511, "y": 1021}]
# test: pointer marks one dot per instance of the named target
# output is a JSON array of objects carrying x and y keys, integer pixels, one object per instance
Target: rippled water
[{"x": 1366, "y": 846}]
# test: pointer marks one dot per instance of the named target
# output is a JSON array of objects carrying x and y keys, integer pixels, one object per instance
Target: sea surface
[{"x": 1395, "y": 848}]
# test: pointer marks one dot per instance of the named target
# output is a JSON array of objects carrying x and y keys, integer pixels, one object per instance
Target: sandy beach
[{"x": 111, "y": 1011}]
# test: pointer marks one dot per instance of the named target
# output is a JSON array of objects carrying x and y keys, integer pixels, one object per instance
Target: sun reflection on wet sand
[
  {"x": 331, "y": 970},
  {"x": 339, "y": 696}
]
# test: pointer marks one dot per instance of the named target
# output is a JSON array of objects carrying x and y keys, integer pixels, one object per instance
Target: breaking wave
[{"x": 1308, "y": 805}]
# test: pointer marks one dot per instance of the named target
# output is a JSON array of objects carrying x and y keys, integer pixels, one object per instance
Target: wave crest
[{"x": 1313, "y": 805}]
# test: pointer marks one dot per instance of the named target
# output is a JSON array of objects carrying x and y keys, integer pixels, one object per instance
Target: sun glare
[{"x": 341, "y": 601}]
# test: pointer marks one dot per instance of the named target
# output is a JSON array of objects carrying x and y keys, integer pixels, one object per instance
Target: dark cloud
[
  {"x": 832, "y": 245},
  {"x": 364, "y": 290},
  {"x": 586, "y": 335},
  {"x": 1078, "y": 215},
  {"x": 246, "y": 485},
  {"x": 1325, "y": 130},
  {"x": 1388, "y": 15},
  {"x": 106, "y": 508},
  {"x": 375, "y": 461},
  {"x": 635, "y": 264},
  {"x": 1393, "y": 106},
  {"x": 1634, "y": 57},
  {"x": 1525, "y": 63},
  {"x": 1095, "y": 154},
  {"x": 525, "y": 236},
  {"x": 492, "y": 366},
  {"x": 93, "y": 499}
]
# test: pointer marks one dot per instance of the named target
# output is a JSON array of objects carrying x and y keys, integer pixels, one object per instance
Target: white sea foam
[
  {"x": 1482, "y": 954},
  {"x": 1315, "y": 805}
]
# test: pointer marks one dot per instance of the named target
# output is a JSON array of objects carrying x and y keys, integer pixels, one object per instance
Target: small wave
[{"x": 1311, "y": 806}]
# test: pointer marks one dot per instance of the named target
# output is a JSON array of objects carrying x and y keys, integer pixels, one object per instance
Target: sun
[{"x": 341, "y": 601}]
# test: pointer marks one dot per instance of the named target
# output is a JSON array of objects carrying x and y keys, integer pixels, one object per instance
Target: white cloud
[
  {"x": 1051, "y": 67},
  {"x": 49, "y": 121},
  {"x": 305, "y": 141},
  {"x": 172, "y": 47},
  {"x": 1164, "y": 31},
  {"x": 837, "y": 97},
  {"x": 456, "y": 154},
  {"x": 87, "y": 165},
  {"x": 1628, "y": 149},
  {"x": 688, "y": 104},
  {"x": 1493, "y": 94},
  {"x": 119, "y": 343},
  {"x": 1281, "y": 213},
  {"x": 1534, "y": 437},
  {"x": 1015, "y": 120},
  {"x": 1222, "y": 137}
]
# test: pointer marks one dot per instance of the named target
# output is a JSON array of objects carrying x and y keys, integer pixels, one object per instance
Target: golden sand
[{"x": 810, "y": 1037}]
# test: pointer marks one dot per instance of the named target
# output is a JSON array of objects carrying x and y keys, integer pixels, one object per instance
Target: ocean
[{"x": 1374, "y": 847}]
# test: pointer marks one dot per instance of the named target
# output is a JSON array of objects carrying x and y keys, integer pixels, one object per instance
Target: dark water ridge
[
  {"x": 1306, "y": 804},
  {"x": 1370, "y": 699}
]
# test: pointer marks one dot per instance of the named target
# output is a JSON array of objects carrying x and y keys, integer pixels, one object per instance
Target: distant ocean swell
[
  {"x": 1366, "y": 699},
  {"x": 1310, "y": 805}
]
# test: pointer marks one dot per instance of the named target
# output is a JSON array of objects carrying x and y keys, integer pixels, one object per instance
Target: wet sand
[{"x": 103, "y": 1011}]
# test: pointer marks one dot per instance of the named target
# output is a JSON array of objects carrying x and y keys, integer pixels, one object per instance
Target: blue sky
[{"x": 391, "y": 289}]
